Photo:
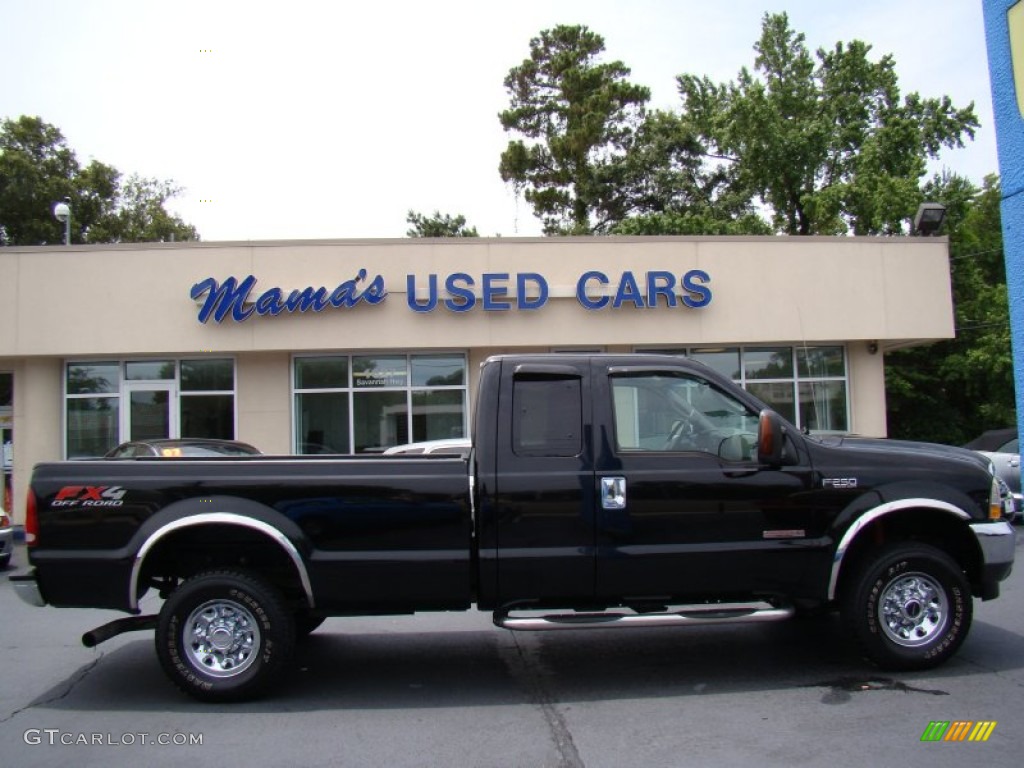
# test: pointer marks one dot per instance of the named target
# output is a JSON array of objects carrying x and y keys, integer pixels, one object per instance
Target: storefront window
[
  {"x": 93, "y": 426},
  {"x": 321, "y": 422},
  {"x": 321, "y": 372},
  {"x": 375, "y": 372},
  {"x": 388, "y": 400},
  {"x": 438, "y": 370},
  {"x": 805, "y": 384},
  {"x": 723, "y": 361},
  {"x": 768, "y": 362},
  {"x": 149, "y": 370},
  {"x": 207, "y": 401},
  {"x": 111, "y": 402},
  {"x": 823, "y": 406},
  {"x": 93, "y": 378},
  {"x": 208, "y": 416},
  {"x": 778, "y": 394},
  {"x": 207, "y": 375},
  {"x": 438, "y": 415},
  {"x": 381, "y": 419}
]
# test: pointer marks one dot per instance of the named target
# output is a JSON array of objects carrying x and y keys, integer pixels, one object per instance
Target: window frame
[
  {"x": 123, "y": 391},
  {"x": 352, "y": 391},
  {"x": 794, "y": 382}
]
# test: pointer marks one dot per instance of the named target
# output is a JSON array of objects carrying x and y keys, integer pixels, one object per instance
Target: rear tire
[
  {"x": 909, "y": 607},
  {"x": 225, "y": 636}
]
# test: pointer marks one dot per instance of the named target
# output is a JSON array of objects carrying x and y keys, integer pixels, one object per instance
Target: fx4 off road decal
[{"x": 89, "y": 496}]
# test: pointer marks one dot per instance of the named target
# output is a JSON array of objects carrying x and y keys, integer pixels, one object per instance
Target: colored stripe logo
[{"x": 958, "y": 730}]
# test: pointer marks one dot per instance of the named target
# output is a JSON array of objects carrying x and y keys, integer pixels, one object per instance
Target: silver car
[{"x": 1003, "y": 448}]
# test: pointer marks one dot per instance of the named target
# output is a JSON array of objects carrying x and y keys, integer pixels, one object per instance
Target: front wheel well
[
  {"x": 182, "y": 553},
  {"x": 943, "y": 531}
]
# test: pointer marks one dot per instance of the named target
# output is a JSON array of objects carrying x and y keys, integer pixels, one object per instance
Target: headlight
[{"x": 1000, "y": 501}]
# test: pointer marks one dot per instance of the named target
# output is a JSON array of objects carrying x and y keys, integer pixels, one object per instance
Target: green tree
[
  {"x": 825, "y": 141},
  {"x": 953, "y": 390},
  {"x": 438, "y": 225},
  {"x": 669, "y": 188},
  {"x": 140, "y": 215},
  {"x": 578, "y": 116},
  {"x": 38, "y": 169}
]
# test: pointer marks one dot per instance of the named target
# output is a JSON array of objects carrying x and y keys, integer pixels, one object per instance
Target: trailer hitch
[{"x": 101, "y": 634}]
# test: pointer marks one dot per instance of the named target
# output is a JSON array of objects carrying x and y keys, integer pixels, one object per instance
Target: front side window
[{"x": 670, "y": 412}]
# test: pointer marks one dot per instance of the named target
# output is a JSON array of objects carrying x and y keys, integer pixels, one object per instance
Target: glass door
[{"x": 151, "y": 410}]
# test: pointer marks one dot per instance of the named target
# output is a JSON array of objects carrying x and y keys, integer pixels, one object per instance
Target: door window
[{"x": 668, "y": 412}]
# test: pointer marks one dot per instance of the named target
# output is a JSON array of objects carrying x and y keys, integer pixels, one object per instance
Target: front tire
[
  {"x": 909, "y": 607},
  {"x": 224, "y": 636}
]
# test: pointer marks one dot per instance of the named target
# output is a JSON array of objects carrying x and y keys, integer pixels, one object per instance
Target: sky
[{"x": 314, "y": 120}]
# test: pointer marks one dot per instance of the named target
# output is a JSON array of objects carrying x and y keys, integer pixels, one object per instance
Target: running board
[{"x": 717, "y": 613}]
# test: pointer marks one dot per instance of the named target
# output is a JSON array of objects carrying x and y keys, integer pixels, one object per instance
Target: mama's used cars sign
[{"x": 238, "y": 300}]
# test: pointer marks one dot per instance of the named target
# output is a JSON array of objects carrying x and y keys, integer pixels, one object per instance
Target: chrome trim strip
[
  {"x": 869, "y": 517},
  {"x": 702, "y": 614},
  {"x": 224, "y": 518}
]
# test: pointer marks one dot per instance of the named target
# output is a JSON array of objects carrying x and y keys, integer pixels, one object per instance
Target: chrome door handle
[{"x": 613, "y": 492}]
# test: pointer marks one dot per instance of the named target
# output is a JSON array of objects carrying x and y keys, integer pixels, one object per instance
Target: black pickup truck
[{"x": 601, "y": 491}]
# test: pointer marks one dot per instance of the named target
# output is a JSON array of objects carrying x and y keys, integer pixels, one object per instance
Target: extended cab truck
[{"x": 602, "y": 490}]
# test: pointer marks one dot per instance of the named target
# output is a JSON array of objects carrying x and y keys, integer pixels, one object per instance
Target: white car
[{"x": 1002, "y": 448}]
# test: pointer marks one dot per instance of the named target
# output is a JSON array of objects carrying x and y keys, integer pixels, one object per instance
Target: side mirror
[{"x": 771, "y": 439}]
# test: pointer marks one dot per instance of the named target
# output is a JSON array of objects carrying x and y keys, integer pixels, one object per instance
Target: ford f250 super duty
[{"x": 600, "y": 491}]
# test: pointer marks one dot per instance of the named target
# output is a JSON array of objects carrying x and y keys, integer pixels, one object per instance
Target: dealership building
[{"x": 352, "y": 346}]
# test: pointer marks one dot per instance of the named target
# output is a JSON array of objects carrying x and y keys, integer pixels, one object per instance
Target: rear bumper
[{"x": 27, "y": 588}]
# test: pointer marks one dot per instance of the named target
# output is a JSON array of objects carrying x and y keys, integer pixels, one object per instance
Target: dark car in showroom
[{"x": 181, "y": 447}]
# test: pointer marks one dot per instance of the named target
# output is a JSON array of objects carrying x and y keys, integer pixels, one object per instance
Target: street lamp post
[{"x": 62, "y": 212}]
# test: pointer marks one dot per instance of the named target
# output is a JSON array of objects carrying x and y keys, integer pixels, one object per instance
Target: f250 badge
[
  {"x": 839, "y": 482},
  {"x": 89, "y": 496}
]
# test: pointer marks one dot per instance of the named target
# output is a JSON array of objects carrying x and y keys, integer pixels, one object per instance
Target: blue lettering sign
[
  {"x": 410, "y": 294},
  {"x": 522, "y": 301},
  {"x": 235, "y": 299},
  {"x": 493, "y": 292},
  {"x": 232, "y": 297},
  {"x": 660, "y": 284},
  {"x": 697, "y": 294},
  {"x": 463, "y": 299},
  {"x": 628, "y": 291},
  {"x": 303, "y": 301},
  {"x": 581, "y": 290}
]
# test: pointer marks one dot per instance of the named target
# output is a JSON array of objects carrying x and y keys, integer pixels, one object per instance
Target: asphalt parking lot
[{"x": 453, "y": 690}]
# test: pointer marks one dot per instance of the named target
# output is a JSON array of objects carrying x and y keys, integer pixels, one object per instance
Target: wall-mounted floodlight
[
  {"x": 62, "y": 212},
  {"x": 928, "y": 219}
]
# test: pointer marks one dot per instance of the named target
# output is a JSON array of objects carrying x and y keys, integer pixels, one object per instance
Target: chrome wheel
[
  {"x": 913, "y": 609},
  {"x": 221, "y": 637}
]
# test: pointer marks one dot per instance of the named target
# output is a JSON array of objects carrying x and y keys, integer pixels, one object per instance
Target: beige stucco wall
[
  {"x": 60, "y": 303},
  {"x": 263, "y": 401},
  {"x": 38, "y": 435},
  {"x": 123, "y": 300}
]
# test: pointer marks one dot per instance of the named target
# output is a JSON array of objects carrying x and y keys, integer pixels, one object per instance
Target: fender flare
[
  {"x": 876, "y": 513},
  {"x": 217, "y": 518}
]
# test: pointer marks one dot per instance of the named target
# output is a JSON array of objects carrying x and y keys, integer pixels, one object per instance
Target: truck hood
[{"x": 910, "y": 448}]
